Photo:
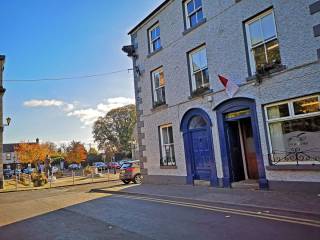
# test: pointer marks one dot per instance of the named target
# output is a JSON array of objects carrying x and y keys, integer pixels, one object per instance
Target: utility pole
[{"x": 2, "y": 91}]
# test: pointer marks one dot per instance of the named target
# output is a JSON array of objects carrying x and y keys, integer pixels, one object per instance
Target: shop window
[{"x": 294, "y": 131}]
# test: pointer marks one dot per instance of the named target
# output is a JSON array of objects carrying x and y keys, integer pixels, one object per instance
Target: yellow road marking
[{"x": 281, "y": 218}]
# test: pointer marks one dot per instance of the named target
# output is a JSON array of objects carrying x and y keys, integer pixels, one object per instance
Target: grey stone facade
[
  {"x": 2, "y": 90},
  {"x": 224, "y": 36}
]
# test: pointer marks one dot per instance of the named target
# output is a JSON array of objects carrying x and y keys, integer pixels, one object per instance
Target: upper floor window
[
  {"x": 294, "y": 131},
  {"x": 167, "y": 146},
  {"x": 8, "y": 156},
  {"x": 154, "y": 38},
  {"x": 158, "y": 84},
  {"x": 199, "y": 69},
  {"x": 263, "y": 43},
  {"x": 194, "y": 13}
]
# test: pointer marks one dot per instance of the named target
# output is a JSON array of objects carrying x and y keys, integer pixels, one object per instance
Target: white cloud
[
  {"x": 49, "y": 103},
  {"x": 43, "y": 103},
  {"x": 88, "y": 115},
  {"x": 120, "y": 100}
]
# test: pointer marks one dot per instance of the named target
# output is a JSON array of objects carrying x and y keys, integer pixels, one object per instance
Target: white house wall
[{"x": 223, "y": 35}]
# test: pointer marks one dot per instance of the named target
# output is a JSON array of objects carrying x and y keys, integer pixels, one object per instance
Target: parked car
[
  {"x": 114, "y": 165},
  {"x": 17, "y": 171},
  {"x": 54, "y": 169},
  {"x": 121, "y": 162},
  {"x": 28, "y": 170},
  {"x": 74, "y": 166},
  {"x": 130, "y": 171},
  {"x": 99, "y": 165},
  {"x": 8, "y": 173}
]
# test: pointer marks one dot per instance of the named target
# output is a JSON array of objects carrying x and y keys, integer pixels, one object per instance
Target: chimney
[{"x": 37, "y": 140}]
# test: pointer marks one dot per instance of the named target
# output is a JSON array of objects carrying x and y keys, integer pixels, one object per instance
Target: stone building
[
  {"x": 2, "y": 91},
  {"x": 190, "y": 130}
]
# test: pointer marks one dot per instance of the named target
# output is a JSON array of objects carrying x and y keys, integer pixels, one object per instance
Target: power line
[{"x": 69, "y": 78}]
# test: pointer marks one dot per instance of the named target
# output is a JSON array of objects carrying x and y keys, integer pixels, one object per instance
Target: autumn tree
[
  {"x": 76, "y": 153},
  {"x": 33, "y": 152},
  {"x": 113, "y": 132}
]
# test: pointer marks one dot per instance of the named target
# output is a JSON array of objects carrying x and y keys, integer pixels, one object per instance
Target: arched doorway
[
  {"x": 199, "y": 154},
  {"x": 240, "y": 142}
]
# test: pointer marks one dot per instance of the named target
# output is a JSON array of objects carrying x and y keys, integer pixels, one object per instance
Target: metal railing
[
  {"x": 295, "y": 155},
  {"x": 24, "y": 181}
]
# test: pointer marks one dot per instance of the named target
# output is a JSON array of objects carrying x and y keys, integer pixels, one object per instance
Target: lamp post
[
  {"x": 104, "y": 156},
  {"x": 133, "y": 149}
]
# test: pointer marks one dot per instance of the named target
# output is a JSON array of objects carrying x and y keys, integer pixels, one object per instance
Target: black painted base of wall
[
  {"x": 165, "y": 180},
  {"x": 283, "y": 186},
  {"x": 289, "y": 186}
]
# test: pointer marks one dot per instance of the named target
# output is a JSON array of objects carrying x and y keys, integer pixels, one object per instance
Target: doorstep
[
  {"x": 246, "y": 184},
  {"x": 202, "y": 183}
]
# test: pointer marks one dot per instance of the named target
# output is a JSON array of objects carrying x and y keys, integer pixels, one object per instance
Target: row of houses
[{"x": 191, "y": 130}]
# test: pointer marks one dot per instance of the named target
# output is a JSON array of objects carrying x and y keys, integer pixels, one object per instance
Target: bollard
[
  {"x": 51, "y": 179},
  {"x": 92, "y": 176},
  {"x": 29, "y": 180},
  {"x": 108, "y": 175},
  {"x": 16, "y": 182},
  {"x": 73, "y": 177}
]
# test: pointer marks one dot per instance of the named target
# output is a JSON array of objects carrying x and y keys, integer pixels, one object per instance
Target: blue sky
[{"x": 63, "y": 38}]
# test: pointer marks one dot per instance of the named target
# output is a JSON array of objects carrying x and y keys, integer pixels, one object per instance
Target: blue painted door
[{"x": 202, "y": 154}]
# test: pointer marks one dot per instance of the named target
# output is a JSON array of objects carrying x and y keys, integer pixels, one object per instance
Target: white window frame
[
  {"x": 250, "y": 47},
  {"x": 292, "y": 116},
  {"x": 154, "y": 88},
  {"x": 163, "y": 150},
  {"x": 151, "y": 41},
  {"x": 187, "y": 15},
  {"x": 192, "y": 73}
]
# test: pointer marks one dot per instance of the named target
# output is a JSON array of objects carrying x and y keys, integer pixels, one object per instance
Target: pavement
[
  {"x": 116, "y": 211},
  {"x": 289, "y": 201}
]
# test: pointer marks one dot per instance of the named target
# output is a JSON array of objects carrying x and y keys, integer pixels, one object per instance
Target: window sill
[
  {"x": 315, "y": 167},
  {"x": 153, "y": 53},
  {"x": 168, "y": 167},
  {"x": 260, "y": 77},
  {"x": 159, "y": 108},
  {"x": 194, "y": 27},
  {"x": 193, "y": 96}
]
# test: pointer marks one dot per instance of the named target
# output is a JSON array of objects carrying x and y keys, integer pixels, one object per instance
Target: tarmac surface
[{"x": 115, "y": 211}]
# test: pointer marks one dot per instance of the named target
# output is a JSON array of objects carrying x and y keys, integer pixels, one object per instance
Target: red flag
[{"x": 230, "y": 87}]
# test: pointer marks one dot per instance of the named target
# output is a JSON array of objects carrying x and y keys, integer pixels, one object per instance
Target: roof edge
[{"x": 149, "y": 16}]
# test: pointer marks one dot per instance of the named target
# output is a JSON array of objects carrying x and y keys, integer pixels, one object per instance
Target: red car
[{"x": 114, "y": 165}]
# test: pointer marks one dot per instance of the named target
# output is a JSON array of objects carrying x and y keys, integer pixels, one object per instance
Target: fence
[{"x": 59, "y": 179}]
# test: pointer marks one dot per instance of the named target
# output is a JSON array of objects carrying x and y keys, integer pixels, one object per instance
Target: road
[{"x": 99, "y": 212}]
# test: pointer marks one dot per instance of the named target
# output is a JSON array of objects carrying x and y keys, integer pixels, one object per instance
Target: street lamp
[{"x": 8, "y": 121}]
